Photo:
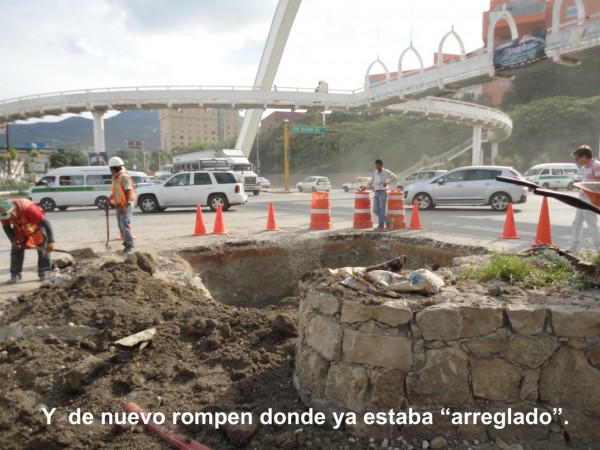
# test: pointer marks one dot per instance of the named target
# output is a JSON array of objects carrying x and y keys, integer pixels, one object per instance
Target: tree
[
  {"x": 67, "y": 158},
  {"x": 548, "y": 129},
  {"x": 554, "y": 80}
]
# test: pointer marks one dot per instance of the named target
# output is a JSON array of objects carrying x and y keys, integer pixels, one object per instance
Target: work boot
[
  {"x": 379, "y": 228},
  {"x": 44, "y": 276},
  {"x": 14, "y": 279}
]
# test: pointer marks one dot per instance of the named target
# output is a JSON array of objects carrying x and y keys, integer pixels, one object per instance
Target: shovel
[
  {"x": 565, "y": 198},
  {"x": 44, "y": 249},
  {"x": 107, "y": 226}
]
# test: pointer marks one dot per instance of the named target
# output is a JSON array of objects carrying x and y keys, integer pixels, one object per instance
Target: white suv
[
  {"x": 205, "y": 188},
  {"x": 472, "y": 185}
]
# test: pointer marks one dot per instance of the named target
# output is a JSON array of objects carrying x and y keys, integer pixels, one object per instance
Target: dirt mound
[
  {"x": 58, "y": 350},
  {"x": 205, "y": 356}
]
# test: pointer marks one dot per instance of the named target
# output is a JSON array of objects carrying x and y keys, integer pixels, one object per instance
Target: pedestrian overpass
[{"x": 414, "y": 93}]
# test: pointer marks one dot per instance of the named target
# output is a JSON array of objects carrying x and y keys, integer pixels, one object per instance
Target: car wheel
[
  {"x": 256, "y": 192},
  {"x": 218, "y": 199},
  {"x": 424, "y": 200},
  {"x": 62, "y": 208},
  {"x": 100, "y": 202},
  {"x": 545, "y": 185},
  {"x": 148, "y": 204},
  {"x": 570, "y": 186},
  {"x": 47, "y": 204},
  {"x": 299, "y": 188},
  {"x": 346, "y": 188},
  {"x": 499, "y": 201},
  {"x": 314, "y": 189}
]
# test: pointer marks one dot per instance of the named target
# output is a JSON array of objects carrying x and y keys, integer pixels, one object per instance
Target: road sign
[{"x": 308, "y": 130}]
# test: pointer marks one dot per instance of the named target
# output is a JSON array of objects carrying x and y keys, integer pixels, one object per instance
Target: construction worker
[
  {"x": 123, "y": 197},
  {"x": 26, "y": 226}
]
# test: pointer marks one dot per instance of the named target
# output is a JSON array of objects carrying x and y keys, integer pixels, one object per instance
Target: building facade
[
  {"x": 185, "y": 127},
  {"x": 530, "y": 16}
]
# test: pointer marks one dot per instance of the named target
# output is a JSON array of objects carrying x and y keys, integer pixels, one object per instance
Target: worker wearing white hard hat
[{"x": 123, "y": 197}]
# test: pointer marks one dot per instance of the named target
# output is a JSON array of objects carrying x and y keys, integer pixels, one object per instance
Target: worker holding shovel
[{"x": 26, "y": 226}]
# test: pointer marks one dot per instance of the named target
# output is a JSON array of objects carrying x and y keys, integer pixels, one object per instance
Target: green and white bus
[
  {"x": 552, "y": 175},
  {"x": 72, "y": 186}
]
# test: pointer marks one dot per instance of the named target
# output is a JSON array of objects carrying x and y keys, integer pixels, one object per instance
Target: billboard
[
  {"x": 135, "y": 145},
  {"x": 521, "y": 52}
]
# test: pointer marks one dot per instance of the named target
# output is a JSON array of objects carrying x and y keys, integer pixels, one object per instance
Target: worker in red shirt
[{"x": 26, "y": 226}]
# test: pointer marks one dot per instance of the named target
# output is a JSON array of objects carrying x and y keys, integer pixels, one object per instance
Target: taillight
[{"x": 237, "y": 189}]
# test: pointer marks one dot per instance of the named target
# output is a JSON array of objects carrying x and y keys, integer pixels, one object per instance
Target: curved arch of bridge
[{"x": 412, "y": 94}]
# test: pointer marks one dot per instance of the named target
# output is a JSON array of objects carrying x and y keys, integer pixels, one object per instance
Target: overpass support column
[
  {"x": 477, "y": 153},
  {"x": 99, "y": 145},
  {"x": 494, "y": 151}
]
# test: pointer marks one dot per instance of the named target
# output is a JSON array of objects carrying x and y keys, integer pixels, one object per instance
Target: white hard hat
[{"x": 115, "y": 161}]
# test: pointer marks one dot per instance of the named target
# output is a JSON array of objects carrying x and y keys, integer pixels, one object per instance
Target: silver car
[{"x": 472, "y": 186}]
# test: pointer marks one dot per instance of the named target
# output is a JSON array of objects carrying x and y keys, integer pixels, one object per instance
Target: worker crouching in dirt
[{"x": 26, "y": 226}]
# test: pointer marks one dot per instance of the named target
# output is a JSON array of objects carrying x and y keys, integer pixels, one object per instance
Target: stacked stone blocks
[{"x": 486, "y": 357}]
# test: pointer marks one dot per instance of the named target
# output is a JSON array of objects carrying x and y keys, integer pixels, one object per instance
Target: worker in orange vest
[
  {"x": 26, "y": 226},
  {"x": 123, "y": 197}
]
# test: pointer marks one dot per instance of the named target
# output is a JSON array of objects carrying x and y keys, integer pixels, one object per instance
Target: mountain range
[{"x": 78, "y": 132}]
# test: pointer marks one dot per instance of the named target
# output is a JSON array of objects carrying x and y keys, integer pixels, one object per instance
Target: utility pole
[{"x": 286, "y": 161}]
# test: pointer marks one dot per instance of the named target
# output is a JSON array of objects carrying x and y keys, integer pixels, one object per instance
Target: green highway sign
[{"x": 308, "y": 130}]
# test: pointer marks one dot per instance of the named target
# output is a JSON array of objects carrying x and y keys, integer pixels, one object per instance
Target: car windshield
[{"x": 532, "y": 172}]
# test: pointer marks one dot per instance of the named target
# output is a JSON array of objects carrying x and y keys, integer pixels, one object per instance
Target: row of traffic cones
[
  {"x": 219, "y": 226},
  {"x": 543, "y": 235}
]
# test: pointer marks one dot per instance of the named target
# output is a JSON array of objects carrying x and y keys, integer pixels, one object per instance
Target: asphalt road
[
  {"x": 292, "y": 211},
  {"x": 86, "y": 227}
]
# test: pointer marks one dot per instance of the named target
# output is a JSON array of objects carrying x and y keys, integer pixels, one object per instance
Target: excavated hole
[{"x": 258, "y": 274}]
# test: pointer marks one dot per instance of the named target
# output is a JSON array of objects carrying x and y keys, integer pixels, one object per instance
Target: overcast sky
[{"x": 59, "y": 45}]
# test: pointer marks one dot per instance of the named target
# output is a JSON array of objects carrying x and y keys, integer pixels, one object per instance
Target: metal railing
[{"x": 441, "y": 160}]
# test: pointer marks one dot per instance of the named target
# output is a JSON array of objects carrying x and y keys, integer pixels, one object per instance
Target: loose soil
[{"x": 206, "y": 356}]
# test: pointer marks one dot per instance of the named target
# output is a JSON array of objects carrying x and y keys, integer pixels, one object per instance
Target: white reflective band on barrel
[
  {"x": 362, "y": 211},
  {"x": 319, "y": 211},
  {"x": 398, "y": 212}
]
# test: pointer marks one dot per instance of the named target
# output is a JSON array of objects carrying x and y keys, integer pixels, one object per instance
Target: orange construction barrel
[
  {"x": 395, "y": 208},
  {"x": 362, "y": 210},
  {"x": 320, "y": 214}
]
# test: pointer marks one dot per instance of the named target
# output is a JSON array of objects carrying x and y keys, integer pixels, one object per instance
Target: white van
[
  {"x": 76, "y": 186},
  {"x": 552, "y": 175}
]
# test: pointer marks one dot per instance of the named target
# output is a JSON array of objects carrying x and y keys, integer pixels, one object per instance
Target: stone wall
[{"x": 472, "y": 357}]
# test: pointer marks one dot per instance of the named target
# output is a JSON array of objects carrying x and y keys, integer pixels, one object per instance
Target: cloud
[
  {"x": 68, "y": 44},
  {"x": 222, "y": 16}
]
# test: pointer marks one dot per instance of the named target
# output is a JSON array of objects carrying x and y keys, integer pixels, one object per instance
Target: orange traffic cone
[
  {"x": 199, "y": 228},
  {"x": 510, "y": 231},
  {"x": 219, "y": 227},
  {"x": 271, "y": 224},
  {"x": 415, "y": 220},
  {"x": 543, "y": 235}
]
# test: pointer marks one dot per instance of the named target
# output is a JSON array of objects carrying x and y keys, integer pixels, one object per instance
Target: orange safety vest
[
  {"x": 26, "y": 232},
  {"x": 119, "y": 181}
]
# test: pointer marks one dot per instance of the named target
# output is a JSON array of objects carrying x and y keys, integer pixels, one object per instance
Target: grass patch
[{"x": 544, "y": 269}]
